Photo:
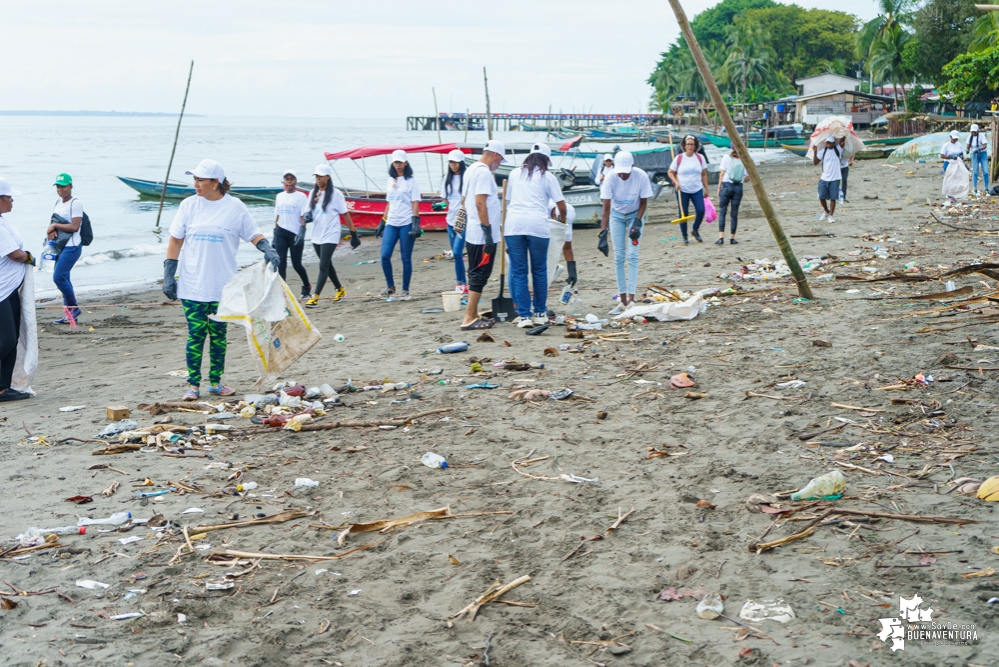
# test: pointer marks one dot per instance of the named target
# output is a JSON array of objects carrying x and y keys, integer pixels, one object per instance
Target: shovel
[{"x": 502, "y": 306}]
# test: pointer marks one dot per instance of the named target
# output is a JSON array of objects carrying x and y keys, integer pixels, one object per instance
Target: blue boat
[{"x": 177, "y": 191}]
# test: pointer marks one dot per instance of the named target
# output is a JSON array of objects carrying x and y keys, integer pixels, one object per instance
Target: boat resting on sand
[
  {"x": 180, "y": 191},
  {"x": 872, "y": 152}
]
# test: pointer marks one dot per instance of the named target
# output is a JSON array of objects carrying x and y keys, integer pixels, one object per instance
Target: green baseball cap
[{"x": 63, "y": 179}]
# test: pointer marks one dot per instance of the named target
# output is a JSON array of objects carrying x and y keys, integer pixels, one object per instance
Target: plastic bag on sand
[
  {"x": 710, "y": 214},
  {"x": 838, "y": 127},
  {"x": 555, "y": 244},
  {"x": 956, "y": 180},
  {"x": 667, "y": 311},
  {"x": 27, "y": 342},
  {"x": 277, "y": 330}
]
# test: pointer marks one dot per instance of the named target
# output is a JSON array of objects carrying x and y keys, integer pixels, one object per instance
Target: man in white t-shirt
[
  {"x": 290, "y": 208},
  {"x": 67, "y": 217},
  {"x": 829, "y": 157},
  {"x": 482, "y": 231},
  {"x": 625, "y": 193}
]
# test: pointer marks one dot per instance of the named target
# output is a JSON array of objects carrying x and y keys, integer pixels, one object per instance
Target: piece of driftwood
[
  {"x": 326, "y": 426},
  {"x": 281, "y": 517},
  {"x": 298, "y": 557},
  {"x": 385, "y": 525},
  {"x": 496, "y": 590},
  {"x": 119, "y": 448},
  {"x": 161, "y": 408}
]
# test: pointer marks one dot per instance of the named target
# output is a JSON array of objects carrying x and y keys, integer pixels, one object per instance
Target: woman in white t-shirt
[
  {"x": 13, "y": 261},
  {"x": 400, "y": 224},
  {"x": 732, "y": 175},
  {"x": 605, "y": 168},
  {"x": 451, "y": 187},
  {"x": 978, "y": 149},
  {"x": 570, "y": 257},
  {"x": 327, "y": 205},
  {"x": 290, "y": 208},
  {"x": 529, "y": 188},
  {"x": 208, "y": 227},
  {"x": 689, "y": 173},
  {"x": 67, "y": 216}
]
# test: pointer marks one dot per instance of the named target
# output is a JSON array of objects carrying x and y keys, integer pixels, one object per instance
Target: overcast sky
[{"x": 339, "y": 59}]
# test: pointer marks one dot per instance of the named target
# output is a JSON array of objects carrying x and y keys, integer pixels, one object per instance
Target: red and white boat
[{"x": 367, "y": 206}]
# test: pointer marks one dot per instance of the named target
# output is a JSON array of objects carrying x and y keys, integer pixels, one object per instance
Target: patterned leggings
[{"x": 199, "y": 327}]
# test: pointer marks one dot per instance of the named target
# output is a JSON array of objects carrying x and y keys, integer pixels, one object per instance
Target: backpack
[
  {"x": 679, "y": 159},
  {"x": 86, "y": 231},
  {"x": 737, "y": 171}
]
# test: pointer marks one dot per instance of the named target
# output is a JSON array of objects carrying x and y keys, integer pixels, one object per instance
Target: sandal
[
  {"x": 478, "y": 324},
  {"x": 221, "y": 390},
  {"x": 192, "y": 394}
]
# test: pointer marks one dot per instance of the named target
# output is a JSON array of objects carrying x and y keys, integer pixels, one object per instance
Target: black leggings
[
  {"x": 10, "y": 330},
  {"x": 325, "y": 252},
  {"x": 283, "y": 242},
  {"x": 843, "y": 172}
]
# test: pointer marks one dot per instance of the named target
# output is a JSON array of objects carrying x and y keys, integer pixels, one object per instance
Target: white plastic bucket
[{"x": 452, "y": 301}]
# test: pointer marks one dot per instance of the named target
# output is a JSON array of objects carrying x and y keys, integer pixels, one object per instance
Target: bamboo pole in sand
[{"x": 174, "y": 149}]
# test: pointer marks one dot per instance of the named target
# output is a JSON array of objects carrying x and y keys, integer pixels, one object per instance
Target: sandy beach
[{"x": 682, "y": 469}]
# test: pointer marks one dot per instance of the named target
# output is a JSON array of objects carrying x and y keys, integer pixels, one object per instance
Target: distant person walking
[
  {"x": 952, "y": 150},
  {"x": 67, "y": 216},
  {"x": 327, "y": 205},
  {"x": 733, "y": 175},
  {"x": 451, "y": 186},
  {"x": 606, "y": 167},
  {"x": 829, "y": 156},
  {"x": 978, "y": 148},
  {"x": 689, "y": 173},
  {"x": 529, "y": 188},
  {"x": 401, "y": 223},
  {"x": 844, "y": 169},
  {"x": 624, "y": 196},
  {"x": 482, "y": 231},
  {"x": 13, "y": 263},
  {"x": 290, "y": 208},
  {"x": 208, "y": 228}
]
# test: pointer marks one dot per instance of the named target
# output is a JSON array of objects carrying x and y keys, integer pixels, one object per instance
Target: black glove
[
  {"x": 308, "y": 217},
  {"x": 170, "y": 278},
  {"x": 30, "y": 259},
  {"x": 635, "y": 233},
  {"x": 414, "y": 229},
  {"x": 380, "y": 229},
  {"x": 602, "y": 243},
  {"x": 355, "y": 240},
  {"x": 570, "y": 267},
  {"x": 490, "y": 248},
  {"x": 300, "y": 236},
  {"x": 270, "y": 254}
]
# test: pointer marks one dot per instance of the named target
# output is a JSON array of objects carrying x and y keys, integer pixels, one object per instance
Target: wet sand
[{"x": 596, "y": 602}]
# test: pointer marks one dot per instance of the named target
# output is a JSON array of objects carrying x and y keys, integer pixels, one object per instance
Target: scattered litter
[
  {"x": 710, "y": 607},
  {"x": 989, "y": 490},
  {"x": 792, "y": 384},
  {"x": 432, "y": 460},
  {"x": 670, "y": 594},
  {"x": 219, "y": 586},
  {"x": 125, "y": 617},
  {"x": 576, "y": 480},
  {"x": 197, "y": 510},
  {"x": 118, "y": 427},
  {"x": 130, "y": 540},
  {"x": 825, "y": 487},
  {"x": 681, "y": 381},
  {"x": 767, "y": 610},
  {"x": 560, "y": 394},
  {"x": 90, "y": 584},
  {"x": 354, "y": 592},
  {"x": 72, "y": 408},
  {"x": 182, "y": 618},
  {"x": 305, "y": 483}
]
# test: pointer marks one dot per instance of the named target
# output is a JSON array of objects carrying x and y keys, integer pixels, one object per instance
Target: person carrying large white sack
[{"x": 13, "y": 276}]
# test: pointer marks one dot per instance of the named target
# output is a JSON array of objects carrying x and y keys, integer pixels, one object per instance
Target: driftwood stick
[
  {"x": 247, "y": 554},
  {"x": 620, "y": 520},
  {"x": 164, "y": 407},
  {"x": 905, "y": 517},
  {"x": 392, "y": 421},
  {"x": 274, "y": 518},
  {"x": 494, "y": 591}
]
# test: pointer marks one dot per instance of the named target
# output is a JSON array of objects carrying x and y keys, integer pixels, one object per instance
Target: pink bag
[{"x": 710, "y": 214}]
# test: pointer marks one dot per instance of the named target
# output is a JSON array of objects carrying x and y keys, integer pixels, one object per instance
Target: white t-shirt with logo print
[
  {"x": 626, "y": 195},
  {"x": 289, "y": 207},
  {"x": 326, "y": 226},
  {"x": 68, "y": 210},
  {"x": 401, "y": 193}
]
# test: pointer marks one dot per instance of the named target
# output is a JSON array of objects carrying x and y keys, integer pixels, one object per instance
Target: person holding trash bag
[
  {"x": 13, "y": 261},
  {"x": 624, "y": 194},
  {"x": 208, "y": 227},
  {"x": 829, "y": 156},
  {"x": 482, "y": 230},
  {"x": 400, "y": 224},
  {"x": 951, "y": 150},
  {"x": 570, "y": 258},
  {"x": 326, "y": 204},
  {"x": 451, "y": 191},
  {"x": 733, "y": 175},
  {"x": 290, "y": 208},
  {"x": 67, "y": 217},
  {"x": 978, "y": 148},
  {"x": 689, "y": 173},
  {"x": 529, "y": 188}
]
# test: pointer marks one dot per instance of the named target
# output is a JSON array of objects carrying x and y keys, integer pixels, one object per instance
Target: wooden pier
[{"x": 535, "y": 121}]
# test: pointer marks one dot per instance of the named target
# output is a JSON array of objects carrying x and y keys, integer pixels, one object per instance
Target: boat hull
[
  {"x": 175, "y": 191},
  {"x": 366, "y": 212},
  {"x": 722, "y": 141}
]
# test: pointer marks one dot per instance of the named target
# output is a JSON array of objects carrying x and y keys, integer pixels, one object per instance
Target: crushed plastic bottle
[
  {"x": 830, "y": 485},
  {"x": 34, "y": 536},
  {"x": 452, "y": 348},
  {"x": 432, "y": 460},
  {"x": 305, "y": 483},
  {"x": 576, "y": 305},
  {"x": 115, "y": 519},
  {"x": 566, "y": 296},
  {"x": 249, "y": 486}
]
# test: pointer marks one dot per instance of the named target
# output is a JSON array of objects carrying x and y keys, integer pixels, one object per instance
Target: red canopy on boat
[
  {"x": 371, "y": 151},
  {"x": 572, "y": 143}
]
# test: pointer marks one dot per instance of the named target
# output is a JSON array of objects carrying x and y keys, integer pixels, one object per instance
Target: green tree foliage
[
  {"x": 942, "y": 29},
  {"x": 986, "y": 32},
  {"x": 711, "y": 24},
  {"x": 807, "y": 41},
  {"x": 972, "y": 76},
  {"x": 886, "y": 56}
]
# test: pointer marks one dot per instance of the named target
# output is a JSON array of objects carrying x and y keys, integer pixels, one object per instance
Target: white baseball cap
[
  {"x": 399, "y": 155},
  {"x": 954, "y": 134},
  {"x": 544, "y": 149},
  {"x": 608, "y": 156},
  {"x": 6, "y": 190},
  {"x": 323, "y": 170},
  {"x": 456, "y": 156},
  {"x": 496, "y": 147},
  {"x": 974, "y": 127},
  {"x": 623, "y": 162},
  {"x": 208, "y": 169},
  {"x": 289, "y": 172}
]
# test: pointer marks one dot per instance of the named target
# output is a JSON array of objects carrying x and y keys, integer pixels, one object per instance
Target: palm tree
[
  {"x": 886, "y": 59},
  {"x": 749, "y": 58},
  {"x": 986, "y": 35},
  {"x": 892, "y": 14}
]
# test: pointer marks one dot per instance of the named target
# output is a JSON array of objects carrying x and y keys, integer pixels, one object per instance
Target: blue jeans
[
  {"x": 980, "y": 161},
  {"x": 520, "y": 248},
  {"x": 64, "y": 264},
  {"x": 619, "y": 225},
  {"x": 401, "y": 236},
  {"x": 457, "y": 248},
  {"x": 685, "y": 200}
]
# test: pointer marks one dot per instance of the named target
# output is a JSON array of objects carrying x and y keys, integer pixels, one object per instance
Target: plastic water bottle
[
  {"x": 34, "y": 536},
  {"x": 576, "y": 306},
  {"x": 453, "y": 347},
  {"x": 432, "y": 460},
  {"x": 49, "y": 258},
  {"x": 566, "y": 296},
  {"x": 115, "y": 519},
  {"x": 831, "y": 484}
]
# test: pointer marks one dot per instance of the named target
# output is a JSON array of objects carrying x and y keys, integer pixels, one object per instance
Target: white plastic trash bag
[
  {"x": 555, "y": 244},
  {"x": 277, "y": 330},
  {"x": 956, "y": 180},
  {"x": 27, "y": 342},
  {"x": 667, "y": 311}
]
